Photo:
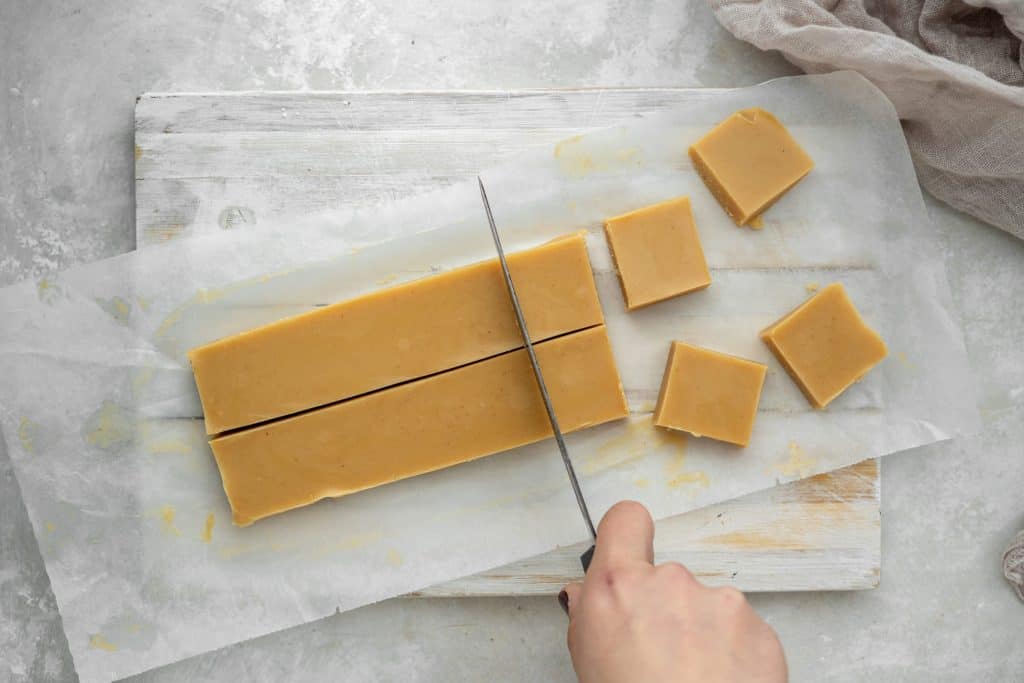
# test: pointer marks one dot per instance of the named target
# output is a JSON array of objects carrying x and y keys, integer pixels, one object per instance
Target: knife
[{"x": 559, "y": 439}]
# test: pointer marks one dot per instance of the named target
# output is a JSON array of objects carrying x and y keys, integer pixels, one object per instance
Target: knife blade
[{"x": 559, "y": 439}]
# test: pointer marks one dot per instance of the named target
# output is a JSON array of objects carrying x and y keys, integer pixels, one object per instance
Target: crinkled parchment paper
[{"x": 100, "y": 414}]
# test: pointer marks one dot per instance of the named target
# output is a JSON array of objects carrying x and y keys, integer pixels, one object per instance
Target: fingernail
[{"x": 563, "y": 600}]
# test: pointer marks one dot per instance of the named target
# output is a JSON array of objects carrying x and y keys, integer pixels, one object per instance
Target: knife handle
[{"x": 586, "y": 557}]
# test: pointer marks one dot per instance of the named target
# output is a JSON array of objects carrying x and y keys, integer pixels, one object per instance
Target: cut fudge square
[
  {"x": 748, "y": 161},
  {"x": 825, "y": 345},
  {"x": 657, "y": 252},
  {"x": 707, "y": 393}
]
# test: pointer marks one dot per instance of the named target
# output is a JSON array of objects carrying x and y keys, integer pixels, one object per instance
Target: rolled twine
[{"x": 1013, "y": 565}]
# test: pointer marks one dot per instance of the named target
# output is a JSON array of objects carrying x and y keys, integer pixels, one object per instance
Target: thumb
[{"x": 624, "y": 537}]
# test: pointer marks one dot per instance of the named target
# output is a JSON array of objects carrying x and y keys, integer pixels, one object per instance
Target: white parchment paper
[{"x": 99, "y": 413}]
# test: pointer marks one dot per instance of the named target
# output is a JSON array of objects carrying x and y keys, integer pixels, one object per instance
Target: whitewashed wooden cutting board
[{"x": 222, "y": 161}]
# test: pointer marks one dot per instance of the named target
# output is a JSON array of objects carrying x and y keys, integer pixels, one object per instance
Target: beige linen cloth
[
  {"x": 953, "y": 69},
  {"x": 1013, "y": 565}
]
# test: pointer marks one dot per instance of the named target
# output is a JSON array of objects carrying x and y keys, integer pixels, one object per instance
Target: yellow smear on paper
[
  {"x": 205, "y": 296},
  {"x": 387, "y": 279},
  {"x": 627, "y": 155},
  {"x": 395, "y": 558},
  {"x": 121, "y": 306},
  {"x": 566, "y": 145},
  {"x": 798, "y": 463},
  {"x": 50, "y": 527},
  {"x": 640, "y": 437},
  {"x": 25, "y": 428},
  {"x": 675, "y": 474},
  {"x": 641, "y": 482},
  {"x": 573, "y": 161},
  {"x": 98, "y": 642},
  {"x": 207, "y": 535},
  {"x": 169, "y": 322},
  {"x": 812, "y": 287},
  {"x": 46, "y": 290},
  {"x": 167, "y": 515},
  {"x": 696, "y": 477},
  {"x": 675, "y": 465},
  {"x": 757, "y": 222},
  {"x": 119, "y": 309},
  {"x": 208, "y": 296},
  {"x": 234, "y": 551},
  {"x": 904, "y": 361},
  {"x": 143, "y": 303},
  {"x": 169, "y": 446},
  {"x": 579, "y": 166},
  {"x": 267, "y": 277},
  {"x": 353, "y": 542},
  {"x": 358, "y": 540},
  {"x": 108, "y": 427},
  {"x": 138, "y": 152},
  {"x": 141, "y": 377}
]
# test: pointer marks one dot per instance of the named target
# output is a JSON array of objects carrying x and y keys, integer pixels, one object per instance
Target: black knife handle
[{"x": 586, "y": 557}]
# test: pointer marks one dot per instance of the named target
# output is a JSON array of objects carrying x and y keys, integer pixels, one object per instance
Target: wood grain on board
[{"x": 222, "y": 161}]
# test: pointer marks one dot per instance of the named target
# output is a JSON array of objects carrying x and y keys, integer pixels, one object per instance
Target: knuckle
[
  {"x": 616, "y": 581},
  {"x": 675, "y": 571},
  {"x": 613, "y": 577},
  {"x": 733, "y": 599}
]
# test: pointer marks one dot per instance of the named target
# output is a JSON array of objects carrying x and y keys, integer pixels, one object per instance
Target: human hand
[{"x": 632, "y": 621}]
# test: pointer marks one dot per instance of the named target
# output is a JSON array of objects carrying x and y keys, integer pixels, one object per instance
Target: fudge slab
[
  {"x": 393, "y": 335},
  {"x": 748, "y": 161},
  {"x": 657, "y": 252},
  {"x": 707, "y": 393},
  {"x": 825, "y": 345},
  {"x": 429, "y": 424}
]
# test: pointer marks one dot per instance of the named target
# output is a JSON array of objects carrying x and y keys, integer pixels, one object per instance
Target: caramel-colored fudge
[
  {"x": 825, "y": 345},
  {"x": 748, "y": 161},
  {"x": 393, "y": 335},
  {"x": 707, "y": 393},
  {"x": 429, "y": 424},
  {"x": 657, "y": 252}
]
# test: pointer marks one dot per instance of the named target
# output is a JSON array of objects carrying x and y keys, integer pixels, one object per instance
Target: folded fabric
[
  {"x": 1013, "y": 565},
  {"x": 953, "y": 70}
]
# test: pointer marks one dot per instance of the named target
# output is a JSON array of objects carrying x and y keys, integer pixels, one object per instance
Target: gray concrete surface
[{"x": 69, "y": 73}]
